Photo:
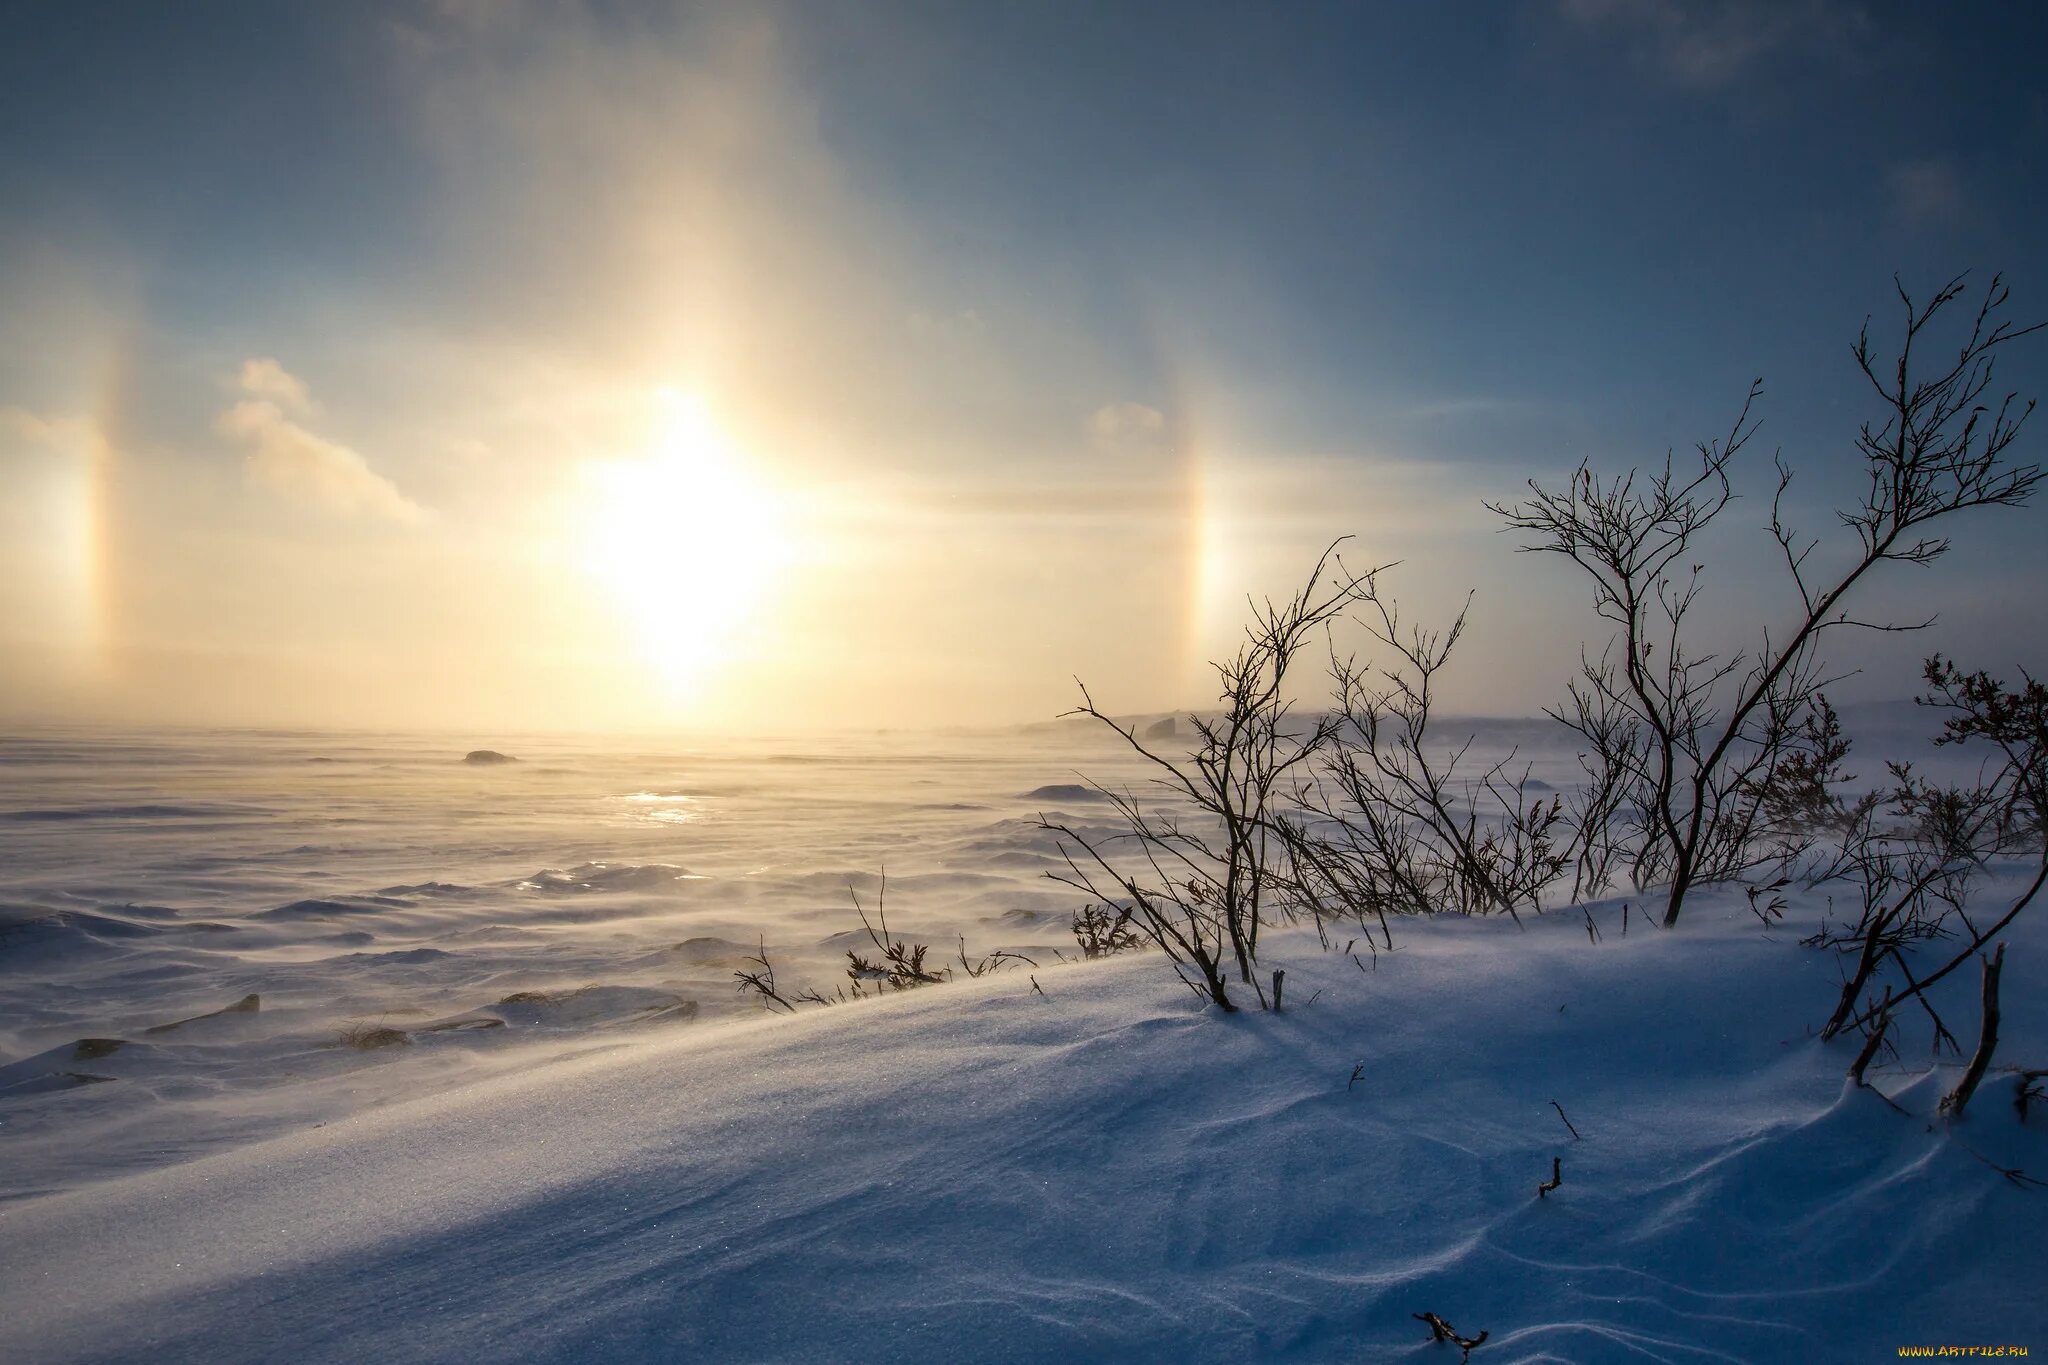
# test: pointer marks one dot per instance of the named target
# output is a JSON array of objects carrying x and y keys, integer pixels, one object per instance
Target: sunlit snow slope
[{"x": 1107, "y": 1172}]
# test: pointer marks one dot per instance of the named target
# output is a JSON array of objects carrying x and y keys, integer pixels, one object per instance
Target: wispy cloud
[
  {"x": 1710, "y": 44},
  {"x": 1127, "y": 427},
  {"x": 59, "y": 432},
  {"x": 1926, "y": 193},
  {"x": 1474, "y": 406},
  {"x": 266, "y": 379},
  {"x": 294, "y": 462}
]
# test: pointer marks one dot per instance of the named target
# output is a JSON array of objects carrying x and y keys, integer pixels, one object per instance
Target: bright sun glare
[{"x": 686, "y": 539}]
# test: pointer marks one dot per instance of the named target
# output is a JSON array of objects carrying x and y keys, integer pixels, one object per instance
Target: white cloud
[
  {"x": 1925, "y": 193},
  {"x": 1712, "y": 43},
  {"x": 290, "y": 460},
  {"x": 73, "y": 433},
  {"x": 1127, "y": 426},
  {"x": 267, "y": 379},
  {"x": 1455, "y": 409}
]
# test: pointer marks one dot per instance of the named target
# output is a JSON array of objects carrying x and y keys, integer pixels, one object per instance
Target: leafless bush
[
  {"x": 2013, "y": 723},
  {"x": 1604, "y": 824},
  {"x": 1766, "y": 901},
  {"x": 899, "y": 964},
  {"x": 1800, "y": 792},
  {"x": 1387, "y": 822},
  {"x": 980, "y": 965},
  {"x": 1356, "y": 813},
  {"x": 1908, "y": 885},
  {"x": 761, "y": 981},
  {"x": 1199, "y": 884},
  {"x": 1915, "y": 878},
  {"x": 1694, "y": 738},
  {"x": 902, "y": 965},
  {"x": 1105, "y": 931},
  {"x": 370, "y": 1037}
]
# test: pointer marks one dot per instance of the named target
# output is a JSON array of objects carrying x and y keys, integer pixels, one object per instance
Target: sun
[{"x": 686, "y": 540}]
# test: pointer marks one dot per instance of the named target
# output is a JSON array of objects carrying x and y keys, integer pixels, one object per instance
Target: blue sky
[{"x": 968, "y": 283}]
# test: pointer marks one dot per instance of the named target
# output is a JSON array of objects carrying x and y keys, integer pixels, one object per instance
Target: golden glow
[
  {"x": 57, "y": 536},
  {"x": 686, "y": 540}
]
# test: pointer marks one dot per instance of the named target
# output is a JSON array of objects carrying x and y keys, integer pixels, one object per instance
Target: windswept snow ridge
[{"x": 979, "y": 1171}]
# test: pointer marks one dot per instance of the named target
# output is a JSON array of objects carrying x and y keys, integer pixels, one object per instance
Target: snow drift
[{"x": 1108, "y": 1172}]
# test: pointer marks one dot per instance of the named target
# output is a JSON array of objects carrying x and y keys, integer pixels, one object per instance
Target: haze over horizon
[{"x": 627, "y": 366}]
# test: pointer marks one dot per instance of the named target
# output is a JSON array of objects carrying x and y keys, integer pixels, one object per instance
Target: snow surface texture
[
  {"x": 970, "y": 1172},
  {"x": 493, "y": 916}
]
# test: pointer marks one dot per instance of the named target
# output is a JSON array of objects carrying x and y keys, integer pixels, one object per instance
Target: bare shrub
[
  {"x": 1801, "y": 794},
  {"x": 902, "y": 963},
  {"x": 1388, "y": 823},
  {"x": 897, "y": 965},
  {"x": 1695, "y": 737},
  {"x": 761, "y": 981},
  {"x": 2005, "y": 811},
  {"x": 1604, "y": 823},
  {"x": 1200, "y": 884},
  {"x": 1355, "y": 813},
  {"x": 1910, "y": 878},
  {"x": 980, "y": 965},
  {"x": 370, "y": 1037},
  {"x": 1105, "y": 931}
]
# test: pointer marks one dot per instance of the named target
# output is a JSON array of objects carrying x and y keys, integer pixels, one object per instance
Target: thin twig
[{"x": 1567, "y": 1122}]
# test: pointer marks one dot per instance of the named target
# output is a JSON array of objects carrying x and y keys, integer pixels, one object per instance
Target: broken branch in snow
[
  {"x": 1439, "y": 1330},
  {"x": 2029, "y": 1089},
  {"x": 993, "y": 963},
  {"x": 1556, "y": 1178},
  {"x": 1956, "y": 1100},
  {"x": 1356, "y": 1073},
  {"x": 1567, "y": 1122},
  {"x": 1871, "y": 1043},
  {"x": 2012, "y": 1173}
]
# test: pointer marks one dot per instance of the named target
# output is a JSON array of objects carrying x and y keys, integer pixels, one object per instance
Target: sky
[{"x": 762, "y": 366}]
